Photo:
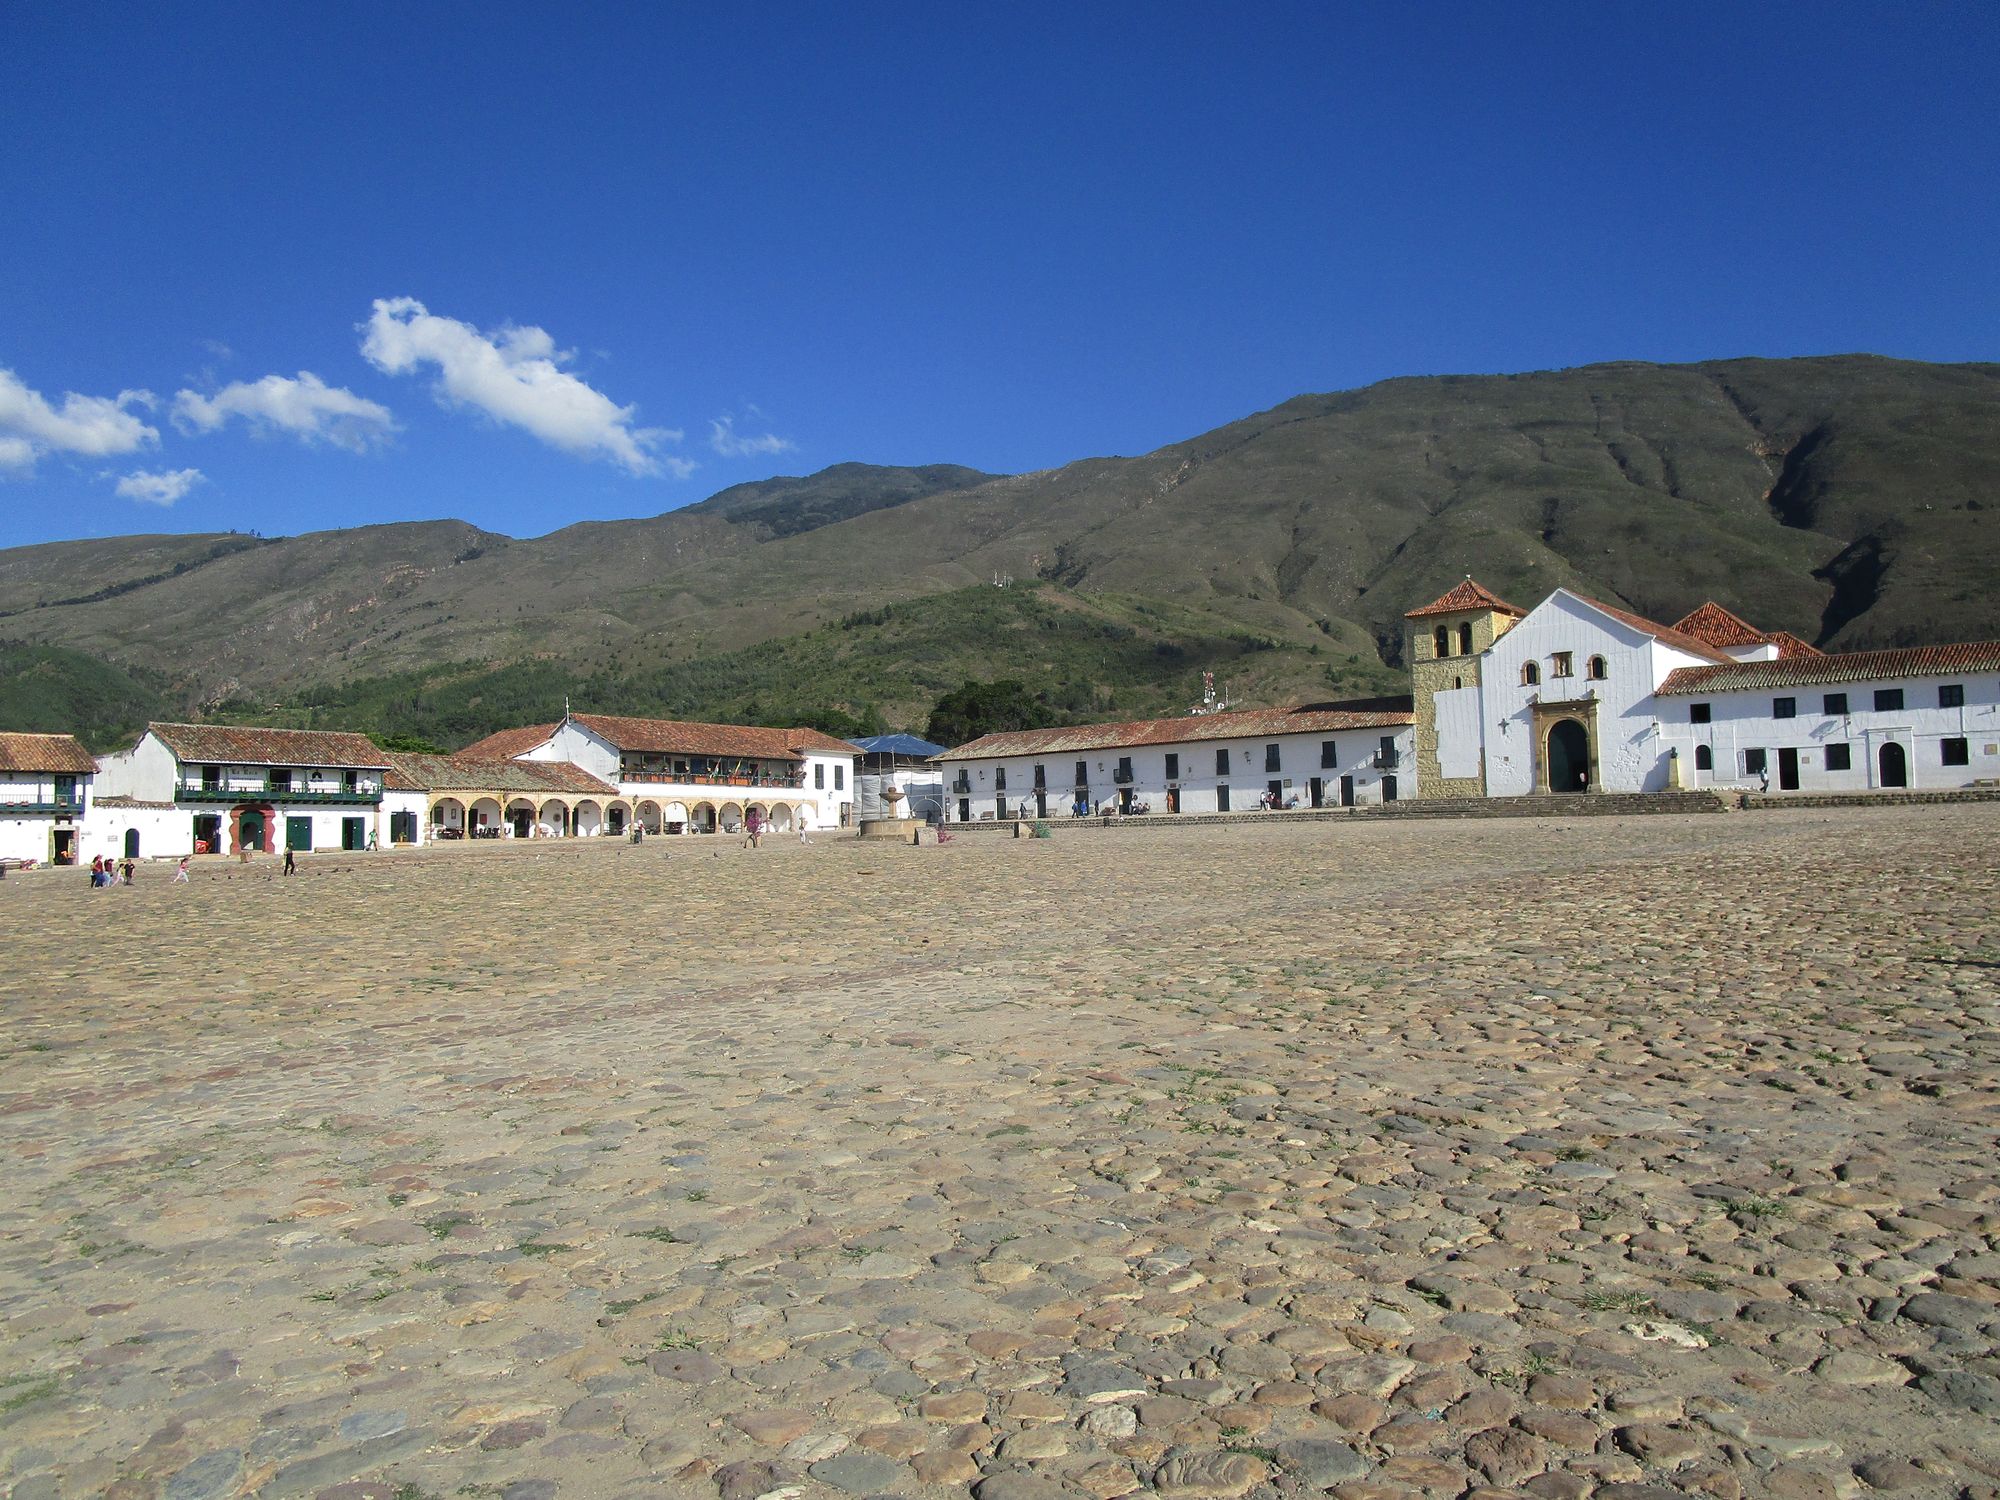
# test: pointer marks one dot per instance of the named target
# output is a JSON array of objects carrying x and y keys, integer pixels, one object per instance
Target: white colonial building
[
  {"x": 1927, "y": 717},
  {"x": 426, "y": 798},
  {"x": 1580, "y": 696},
  {"x": 1316, "y": 755},
  {"x": 222, "y": 789},
  {"x": 680, "y": 777},
  {"x": 45, "y": 796}
]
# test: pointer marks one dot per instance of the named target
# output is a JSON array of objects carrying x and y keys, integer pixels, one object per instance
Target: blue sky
[{"x": 287, "y": 268}]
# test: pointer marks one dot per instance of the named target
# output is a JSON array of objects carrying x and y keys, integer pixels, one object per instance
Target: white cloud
[
  {"x": 726, "y": 440},
  {"x": 514, "y": 375},
  {"x": 308, "y": 408},
  {"x": 158, "y": 489},
  {"x": 95, "y": 425}
]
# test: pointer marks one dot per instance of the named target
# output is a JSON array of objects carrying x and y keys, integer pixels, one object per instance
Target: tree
[
  {"x": 407, "y": 744},
  {"x": 976, "y": 708}
]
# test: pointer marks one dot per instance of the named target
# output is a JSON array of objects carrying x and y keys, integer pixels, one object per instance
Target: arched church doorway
[{"x": 1569, "y": 757}]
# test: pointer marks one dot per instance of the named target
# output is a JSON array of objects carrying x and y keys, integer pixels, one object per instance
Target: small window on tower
[
  {"x": 1595, "y": 668},
  {"x": 1531, "y": 674},
  {"x": 1465, "y": 639},
  {"x": 1441, "y": 642}
]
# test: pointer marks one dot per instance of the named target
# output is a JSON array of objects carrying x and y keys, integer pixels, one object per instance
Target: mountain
[{"x": 1843, "y": 498}]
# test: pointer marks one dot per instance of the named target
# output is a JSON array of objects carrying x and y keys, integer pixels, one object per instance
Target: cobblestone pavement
[{"x": 1607, "y": 1157}]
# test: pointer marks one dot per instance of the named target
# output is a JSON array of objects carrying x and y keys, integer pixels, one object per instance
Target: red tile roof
[
  {"x": 1721, "y": 629},
  {"x": 231, "y": 744},
  {"x": 505, "y": 744},
  {"x": 430, "y": 773},
  {"x": 1790, "y": 645},
  {"x": 678, "y": 737},
  {"x": 1310, "y": 718},
  {"x": 1467, "y": 595},
  {"x": 1845, "y": 666},
  {"x": 1680, "y": 640},
  {"x": 1718, "y": 627},
  {"x": 45, "y": 752}
]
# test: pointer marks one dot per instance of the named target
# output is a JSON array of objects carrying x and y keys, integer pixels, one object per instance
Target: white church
[{"x": 1576, "y": 695}]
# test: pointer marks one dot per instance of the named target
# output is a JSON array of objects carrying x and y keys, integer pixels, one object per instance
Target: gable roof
[
  {"x": 1717, "y": 626},
  {"x": 1667, "y": 635},
  {"x": 505, "y": 744},
  {"x": 1467, "y": 595},
  {"x": 233, "y": 744},
  {"x": 684, "y": 737},
  {"x": 1309, "y": 718},
  {"x": 45, "y": 752},
  {"x": 1845, "y": 666},
  {"x": 1790, "y": 645},
  {"x": 429, "y": 773},
  {"x": 1722, "y": 629}
]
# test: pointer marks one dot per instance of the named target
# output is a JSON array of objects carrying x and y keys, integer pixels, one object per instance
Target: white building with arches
[{"x": 678, "y": 776}]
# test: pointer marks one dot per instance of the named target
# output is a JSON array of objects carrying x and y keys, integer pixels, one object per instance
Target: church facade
[{"x": 1576, "y": 695}]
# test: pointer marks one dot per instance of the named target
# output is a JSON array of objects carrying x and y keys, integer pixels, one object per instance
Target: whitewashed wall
[
  {"x": 1631, "y": 747},
  {"x": 1299, "y": 762},
  {"x": 1744, "y": 721}
]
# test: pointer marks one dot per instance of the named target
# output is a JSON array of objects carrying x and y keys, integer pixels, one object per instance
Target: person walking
[
  {"x": 291, "y": 862},
  {"x": 181, "y": 871},
  {"x": 125, "y": 871}
]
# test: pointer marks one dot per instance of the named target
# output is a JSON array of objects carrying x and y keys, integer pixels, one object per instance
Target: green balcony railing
[
  {"x": 72, "y": 806},
  {"x": 338, "y": 797}
]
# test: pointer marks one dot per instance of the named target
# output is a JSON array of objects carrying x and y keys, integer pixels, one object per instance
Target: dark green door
[
  {"x": 299, "y": 834},
  {"x": 250, "y": 832},
  {"x": 1569, "y": 757},
  {"x": 353, "y": 833}
]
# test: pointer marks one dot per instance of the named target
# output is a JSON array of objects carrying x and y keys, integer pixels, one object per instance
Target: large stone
[
  {"x": 1321, "y": 1462},
  {"x": 1209, "y": 1476},
  {"x": 859, "y": 1472}
]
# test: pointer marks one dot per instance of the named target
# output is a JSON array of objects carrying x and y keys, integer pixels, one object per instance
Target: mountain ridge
[{"x": 1844, "y": 498}]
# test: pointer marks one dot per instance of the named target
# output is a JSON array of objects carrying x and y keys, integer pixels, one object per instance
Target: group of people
[{"x": 105, "y": 872}]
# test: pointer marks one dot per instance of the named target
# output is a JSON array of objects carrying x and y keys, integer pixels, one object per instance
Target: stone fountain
[{"x": 892, "y": 826}]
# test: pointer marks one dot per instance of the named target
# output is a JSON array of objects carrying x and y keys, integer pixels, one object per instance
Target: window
[
  {"x": 839, "y": 778},
  {"x": 1385, "y": 755},
  {"x": 1465, "y": 639},
  {"x": 1041, "y": 777},
  {"x": 1595, "y": 669},
  {"x": 999, "y": 778},
  {"x": 1951, "y": 695},
  {"x": 1270, "y": 757},
  {"x": 1836, "y": 703},
  {"x": 1173, "y": 765},
  {"x": 1561, "y": 664},
  {"x": 1704, "y": 758},
  {"x": 1329, "y": 754},
  {"x": 1083, "y": 773},
  {"x": 1754, "y": 763},
  {"x": 1839, "y": 758},
  {"x": 1441, "y": 642},
  {"x": 1458, "y": 682},
  {"x": 281, "y": 779},
  {"x": 211, "y": 776},
  {"x": 1888, "y": 700},
  {"x": 1124, "y": 772},
  {"x": 1784, "y": 708},
  {"x": 819, "y": 778},
  {"x": 1954, "y": 752},
  {"x": 1530, "y": 674},
  {"x": 1222, "y": 762},
  {"x": 1698, "y": 713},
  {"x": 349, "y": 780}
]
